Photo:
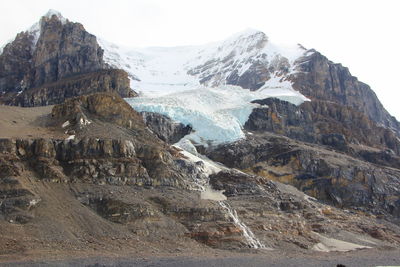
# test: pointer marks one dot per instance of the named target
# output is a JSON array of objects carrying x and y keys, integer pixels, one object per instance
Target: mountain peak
[
  {"x": 53, "y": 12},
  {"x": 248, "y": 33},
  {"x": 56, "y": 13}
]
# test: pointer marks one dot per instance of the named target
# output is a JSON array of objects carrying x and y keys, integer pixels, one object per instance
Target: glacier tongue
[{"x": 217, "y": 115}]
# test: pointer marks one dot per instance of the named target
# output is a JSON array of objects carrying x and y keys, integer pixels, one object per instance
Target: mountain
[
  {"x": 52, "y": 56},
  {"x": 249, "y": 60},
  {"x": 235, "y": 145}
]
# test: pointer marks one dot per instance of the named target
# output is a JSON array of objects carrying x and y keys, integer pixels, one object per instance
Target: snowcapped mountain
[
  {"x": 191, "y": 84},
  {"x": 156, "y": 70},
  {"x": 247, "y": 60}
]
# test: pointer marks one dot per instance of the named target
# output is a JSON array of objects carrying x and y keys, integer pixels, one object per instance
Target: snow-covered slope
[
  {"x": 158, "y": 70},
  {"x": 189, "y": 84}
]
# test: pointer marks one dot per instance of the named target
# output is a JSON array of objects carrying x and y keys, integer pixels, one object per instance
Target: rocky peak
[
  {"x": 320, "y": 79},
  {"x": 36, "y": 67},
  {"x": 247, "y": 59},
  {"x": 54, "y": 13},
  {"x": 64, "y": 48},
  {"x": 245, "y": 41}
]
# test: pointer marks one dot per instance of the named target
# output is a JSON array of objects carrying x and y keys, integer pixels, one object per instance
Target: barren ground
[{"x": 19, "y": 122}]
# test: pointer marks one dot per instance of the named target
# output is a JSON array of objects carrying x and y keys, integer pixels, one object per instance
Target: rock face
[
  {"x": 166, "y": 129},
  {"x": 321, "y": 79},
  {"x": 329, "y": 176},
  {"x": 55, "y": 60},
  {"x": 63, "y": 49},
  {"x": 80, "y": 84},
  {"x": 326, "y": 123},
  {"x": 14, "y": 63}
]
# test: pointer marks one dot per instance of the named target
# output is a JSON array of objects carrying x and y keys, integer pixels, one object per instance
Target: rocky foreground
[{"x": 108, "y": 184}]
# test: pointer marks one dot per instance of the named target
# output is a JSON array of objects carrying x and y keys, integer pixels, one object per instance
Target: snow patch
[
  {"x": 65, "y": 124},
  {"x": 83, "y": 121},
  {"x": 330, "y": 244},
  {"x": 209, "y": 166},
  {"x": 211, "y": 194},
  {"x": 71, "y": 137}
]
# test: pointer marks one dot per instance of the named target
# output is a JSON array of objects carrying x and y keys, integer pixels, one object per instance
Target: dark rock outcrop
[
  {"x": 326, "y": 123},
  {"x": 333, "y": 177},
  {"x": 58, "y": 60},
  {"x": 81, "y": 84},
  {"x": 321, "y": 79},
  {"x": 14, "y": 63},
  {"x": 165, "y": 128}
]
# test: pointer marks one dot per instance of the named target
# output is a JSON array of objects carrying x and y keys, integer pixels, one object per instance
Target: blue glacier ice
[{"x": 217, "y": 115}]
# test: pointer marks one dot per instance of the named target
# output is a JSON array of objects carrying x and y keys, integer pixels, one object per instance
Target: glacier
[
  {"x": 167, "y": 84},
  {"x": 216, "y": 114}
]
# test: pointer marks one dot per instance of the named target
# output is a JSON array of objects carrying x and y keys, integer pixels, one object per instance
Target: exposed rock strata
[
  {"x": 82, "y": 84},
  {"x": 330, "y": 124},
  {"x": 321, "y": 79},
  {"x": 101, "y": 191},
  {"x": 326, "y": 175}
]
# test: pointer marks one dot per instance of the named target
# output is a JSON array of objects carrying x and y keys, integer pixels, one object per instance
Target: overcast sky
[{"x": 362, "y": 35}]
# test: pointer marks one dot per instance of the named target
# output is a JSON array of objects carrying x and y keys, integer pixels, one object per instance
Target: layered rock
[
  {"x": 320, "y": 79},
  {"x": 329, "y": 176},
  {"x": 326, "y": 123},
  {"x": 103, "y": 106},
  {"x": 81, "y": 84},
  {"x": 55, "y": 60}
]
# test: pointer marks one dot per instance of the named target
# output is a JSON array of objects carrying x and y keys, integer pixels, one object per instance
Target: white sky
[{"x": 363, "y": 35}]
